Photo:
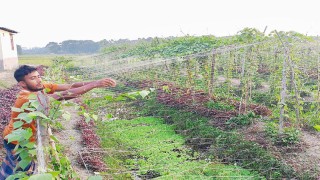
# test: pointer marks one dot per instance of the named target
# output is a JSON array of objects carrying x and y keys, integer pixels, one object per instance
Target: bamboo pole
[
  {"x": 213, "y": 63},
  {"x": 292, "y": 76},
  {"x": 283, "y": 93},
  {"x": 53, "y": 145}
]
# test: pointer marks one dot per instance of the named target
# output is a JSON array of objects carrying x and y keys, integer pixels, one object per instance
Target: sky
[{"x": 39, "y": 22}]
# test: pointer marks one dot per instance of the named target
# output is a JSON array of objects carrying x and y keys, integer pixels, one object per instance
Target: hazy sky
[{"x": 41, "y": 21}]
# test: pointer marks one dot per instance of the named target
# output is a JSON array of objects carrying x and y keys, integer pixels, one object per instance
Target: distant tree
[
  {"x": 104, "y": 43},
  {"x": 53, "y": 47},
  {"x": 35, "y": 50},
  {"x": 19, "y": 49},
  {"x": 79, "y": 46}
]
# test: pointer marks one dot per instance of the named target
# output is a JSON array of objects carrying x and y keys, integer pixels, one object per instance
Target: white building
[{"x": 8, "y": 50}]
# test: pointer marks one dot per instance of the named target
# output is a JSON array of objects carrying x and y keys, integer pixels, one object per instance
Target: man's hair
[{"x": 23, "y": 71}]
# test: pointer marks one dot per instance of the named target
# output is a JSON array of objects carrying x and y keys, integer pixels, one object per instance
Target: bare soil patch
[
  {"x": 71, "y": 140},
  {"x": 303, "y": 157}
]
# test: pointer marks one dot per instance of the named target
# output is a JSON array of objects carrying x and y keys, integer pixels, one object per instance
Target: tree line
[{"x": 74, "y": 47}]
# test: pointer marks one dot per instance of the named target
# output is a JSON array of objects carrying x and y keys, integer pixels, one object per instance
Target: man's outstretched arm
[
  {"x": 76, "y": 92},
  {"x": 64, "y": 87}
]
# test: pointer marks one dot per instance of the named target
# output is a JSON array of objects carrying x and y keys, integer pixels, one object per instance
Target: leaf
[
  {"x": 19, "y": 175},
  {"x": 63, "y": 161},
  {"x": 144, "y": 93},
  {"x": 25, "y": 117},
  {"x": 54, "y": 173},
  {"x": 95, "y": 177},
  {"x": 35, "y": 104},
  {"x": 14, "y": 136},
  {"x": 24, "y": 154},
  {"x": 30, "y": 109},
  {"x": 166, "y": 89},
  {"x": 32, "y": 96},
  {"x": 109, "y": 116},
  {"x": 30, "y": 145},
  {"x": 54, "y": 138},
  {"x": 14, "y": 109},
  {"x": 33, "y": 152},
  {"x": 25, "y": 105},
  {"x": 37, "y": 114},
  {"x": 120, "y": 98},
  {"x": 108, "y": 98},
  {"x": 46, "y": 176},
  {"x": 87, "y": 116},
  {"x": 24, "y": 163},
  {"x": 317, "y": 127},
  {"x": 95, "y": 117},
  {"x": 47, "y": 90},
  {"x": 17, "y": 124}
]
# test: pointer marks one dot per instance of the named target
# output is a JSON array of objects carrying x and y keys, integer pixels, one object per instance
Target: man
[{"x": 30, "y": 81}]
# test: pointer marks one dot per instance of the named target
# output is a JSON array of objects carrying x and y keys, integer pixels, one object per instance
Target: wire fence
[{"x": 223, "y": 84}]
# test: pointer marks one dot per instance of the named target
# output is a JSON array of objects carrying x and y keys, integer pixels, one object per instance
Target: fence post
[
  {"x": 211, "y": 80},
  {"x": 42, "y": 134},
  {"x": 283, "y": 93}
]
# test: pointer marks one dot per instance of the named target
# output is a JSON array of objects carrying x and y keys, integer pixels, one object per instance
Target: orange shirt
[{"x": 21, "y": 99}]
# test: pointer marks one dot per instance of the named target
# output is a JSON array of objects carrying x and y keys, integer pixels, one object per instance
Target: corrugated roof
[{"x": 8, "y": 30}]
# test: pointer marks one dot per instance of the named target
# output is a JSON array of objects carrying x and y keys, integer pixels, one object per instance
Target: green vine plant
[
  {"x": 59, "y": 166},
  {"x": 25, "y": 148}
]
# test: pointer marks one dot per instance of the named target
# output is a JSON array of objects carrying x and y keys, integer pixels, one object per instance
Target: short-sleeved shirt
[{"x": 23, "y": 97}]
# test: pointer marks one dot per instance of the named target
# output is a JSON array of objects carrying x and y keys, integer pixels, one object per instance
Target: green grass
[
  {"x": 149, "y": 146},
  {"x": 45, "y": 60}
]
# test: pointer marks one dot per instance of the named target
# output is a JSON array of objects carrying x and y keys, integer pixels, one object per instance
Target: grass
[
  {"x": 150, "y": 148},
  {"x": 132, "y": 136},
  {"x": 45, "y": 60}
]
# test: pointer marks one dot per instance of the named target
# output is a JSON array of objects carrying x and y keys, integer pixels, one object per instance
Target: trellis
[{"x": 241, "y": 71}]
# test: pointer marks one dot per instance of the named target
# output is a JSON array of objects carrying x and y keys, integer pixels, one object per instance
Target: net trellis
[{"x": 240, "y": 75}]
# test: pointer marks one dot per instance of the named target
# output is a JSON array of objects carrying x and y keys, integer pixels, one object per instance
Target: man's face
[{"x": 32, "y": 82}]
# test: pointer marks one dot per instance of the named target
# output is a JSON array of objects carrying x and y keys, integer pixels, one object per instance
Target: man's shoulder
[{"x": 22, "y": 97}]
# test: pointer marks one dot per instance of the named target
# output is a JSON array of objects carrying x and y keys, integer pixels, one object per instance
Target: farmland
[{"x": 239, "y": 107}]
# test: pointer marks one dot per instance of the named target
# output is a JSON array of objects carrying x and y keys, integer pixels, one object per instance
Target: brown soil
[
  {"x": 70, "y": 139},
  {"x": 302, "y": 157}
]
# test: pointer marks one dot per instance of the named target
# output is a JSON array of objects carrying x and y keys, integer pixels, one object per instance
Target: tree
[
  {"x": 19, "y": 49},
  {"x": 53, "y": 47}
]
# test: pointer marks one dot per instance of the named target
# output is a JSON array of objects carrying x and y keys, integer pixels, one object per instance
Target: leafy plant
[
  {"x": 290, "y": 135},
  {"x": 241, "y": 120},
  {"x": 219, "y": 105}
]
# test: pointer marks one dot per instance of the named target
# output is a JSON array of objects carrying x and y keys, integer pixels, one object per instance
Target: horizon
[{"x": 266, "y": 34}]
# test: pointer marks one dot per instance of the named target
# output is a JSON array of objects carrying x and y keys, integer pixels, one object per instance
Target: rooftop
[{"x": 8, "y": 30}]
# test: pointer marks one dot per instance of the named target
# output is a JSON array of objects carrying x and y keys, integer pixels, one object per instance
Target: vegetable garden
[{"x": 239, "y": 107}]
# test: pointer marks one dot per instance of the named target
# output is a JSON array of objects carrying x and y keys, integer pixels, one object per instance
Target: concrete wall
[{"x": 8, "y": 56}]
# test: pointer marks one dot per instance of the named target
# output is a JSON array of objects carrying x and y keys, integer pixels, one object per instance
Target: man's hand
[{"x": 106, "y": 82}]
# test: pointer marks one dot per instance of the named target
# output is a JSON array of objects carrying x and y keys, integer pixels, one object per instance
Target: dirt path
[{"x": 70, "y": 139}]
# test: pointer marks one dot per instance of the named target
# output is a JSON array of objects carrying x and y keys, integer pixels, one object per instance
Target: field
[{"x": 241, "y": 107}]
